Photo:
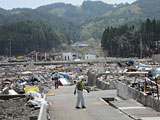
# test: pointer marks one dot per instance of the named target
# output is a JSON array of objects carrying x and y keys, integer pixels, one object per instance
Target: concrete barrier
[
  {"x": 91, "y": 78},
  {"x": 43, "y": 111},
  {"x": 94, "y": 81},
  {"x": 126, "y": 92}
]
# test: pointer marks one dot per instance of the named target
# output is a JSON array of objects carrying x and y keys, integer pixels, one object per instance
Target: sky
[{"x": 9, "y": 4}]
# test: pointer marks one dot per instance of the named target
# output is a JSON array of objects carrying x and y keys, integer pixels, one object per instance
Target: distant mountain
[
  {"x": 87, "y": 10},
  {"x": 95, "y": 16},
  {"x": 134, "y": 13},
  {"x": 85, "y": 16},
  {"x": 60, "y": 24},
  {"x": 2, "y": 11},
  {"x": 149, "y": 8},
  {"x": 86, "y": 21}
]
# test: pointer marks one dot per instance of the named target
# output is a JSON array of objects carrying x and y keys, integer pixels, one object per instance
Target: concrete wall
[
  {"x": 104, "y": 85},
  {"x": 94, "y": 81},
  {"x": 156, "y": 59},
  {"x": 126, "y": 92}
]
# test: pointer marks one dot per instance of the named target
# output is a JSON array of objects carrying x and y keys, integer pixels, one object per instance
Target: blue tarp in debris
[{"x": 65, "y": 75}]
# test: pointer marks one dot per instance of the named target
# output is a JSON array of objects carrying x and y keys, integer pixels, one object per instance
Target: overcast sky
[{"x": 9, "y": 4}]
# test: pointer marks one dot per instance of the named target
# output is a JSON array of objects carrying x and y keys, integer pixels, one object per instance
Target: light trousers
[{"x": 80, "y": 98}]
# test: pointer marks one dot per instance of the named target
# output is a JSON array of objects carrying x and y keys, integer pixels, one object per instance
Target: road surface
[{"x": 62, "y": 106}]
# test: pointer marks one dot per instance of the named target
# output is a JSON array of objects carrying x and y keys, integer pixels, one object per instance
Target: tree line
[
  {"x": 26, "y": 36},
  {"x": 128, "y": 41}
]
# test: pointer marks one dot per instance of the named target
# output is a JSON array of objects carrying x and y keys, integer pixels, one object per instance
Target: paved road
[{"x": 62, "y": 106}]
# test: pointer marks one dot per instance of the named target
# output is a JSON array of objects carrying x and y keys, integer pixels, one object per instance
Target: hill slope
[
  {"x": 134, "y": 13},
  {"x": 87, "y": 10},
  {"x": 60, "y": 24},
  {"x": 86, "y": 21},
  {"x": 27, "y": 36},
  {"x": 95, "y": 16}
]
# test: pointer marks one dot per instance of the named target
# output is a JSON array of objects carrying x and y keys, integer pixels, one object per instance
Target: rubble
[
  {"x": 20, "y": 81},
  {"x": 35, "y": 80},
  {"x": 143, "y": 77},
  {"x": 25, "y": 85},
  {"x": 15, "y": 109}
]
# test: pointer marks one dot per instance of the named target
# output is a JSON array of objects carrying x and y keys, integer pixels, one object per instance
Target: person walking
[
  {"x": 80, "y": 98},
  {"x": 56, "y": 83},
  {"x": 55, "y": 80}
]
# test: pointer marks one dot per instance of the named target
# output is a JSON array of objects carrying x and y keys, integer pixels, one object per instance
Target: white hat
[{"x": 81, "y": 77}]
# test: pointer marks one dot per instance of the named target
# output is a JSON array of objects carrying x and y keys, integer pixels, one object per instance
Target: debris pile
[
  {"x": 21, "y": 91},
  {"x": 15, "y": 109},
  {"x": 34, "y": 81},
  {"x": 22, "y": 87},
  {"x": 141, "y": 76}
]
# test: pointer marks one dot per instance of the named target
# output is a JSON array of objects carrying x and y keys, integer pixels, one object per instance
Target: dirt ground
[{"x": 15, "y": 109}]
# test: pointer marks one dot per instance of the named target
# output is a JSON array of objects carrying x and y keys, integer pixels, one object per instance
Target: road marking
[
  {"x": 151, "y": 118},
  {"x": 126, "y": 108}
]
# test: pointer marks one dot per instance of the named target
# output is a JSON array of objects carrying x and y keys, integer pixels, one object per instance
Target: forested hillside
[
  {"x": 126, "y": 41},
  {"x": 149, "y": 8},
  {"x": 2, "y": 11},
  {"x": 28, "y": 36},
  {"x": 88, "y": 10},
  {"x": 94, "y": 16},
  {"x": 66, "y": 31},
  {"x": 81, "y": 23},
  {"x": 61, "y": 25}
]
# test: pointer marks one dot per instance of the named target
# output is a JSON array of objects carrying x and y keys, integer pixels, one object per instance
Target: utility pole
[
  {"x": 10, "y": 48},
  {"x": 45, "y": 56},
  {"x": 140, "y": 46},
  {"x": 36, "y": 57}
]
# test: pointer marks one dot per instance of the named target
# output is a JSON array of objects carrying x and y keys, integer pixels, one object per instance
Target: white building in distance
[
  {"x": 90, "y": 57},
  {"x": 67, "y": 56}
]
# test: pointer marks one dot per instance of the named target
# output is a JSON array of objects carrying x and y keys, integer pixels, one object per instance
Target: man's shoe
[
  {"x": 83, "y": 107},
  {"x": 77, "y": 107}
]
